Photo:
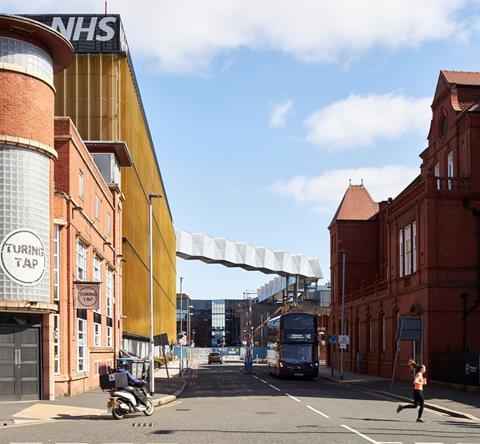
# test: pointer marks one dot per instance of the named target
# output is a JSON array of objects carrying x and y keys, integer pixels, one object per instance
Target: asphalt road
[{"x": 223, "y": 405}]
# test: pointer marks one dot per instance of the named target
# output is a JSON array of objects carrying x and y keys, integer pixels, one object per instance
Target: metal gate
[{"x": 19, "y": 363}]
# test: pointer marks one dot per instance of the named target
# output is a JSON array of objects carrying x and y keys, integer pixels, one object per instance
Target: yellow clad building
[{"x": 100, "y": 93}]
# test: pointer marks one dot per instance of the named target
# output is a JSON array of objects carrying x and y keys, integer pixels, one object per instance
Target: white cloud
[
  {"x": 361, "y": 120},
  {"x": 279, "y": 114},
  {"x": 186, "y": 35},
  {"x": 324, "y": 193}
]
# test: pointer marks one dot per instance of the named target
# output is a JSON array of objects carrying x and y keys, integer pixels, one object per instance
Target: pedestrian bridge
[{"x": 212, "y": 250}]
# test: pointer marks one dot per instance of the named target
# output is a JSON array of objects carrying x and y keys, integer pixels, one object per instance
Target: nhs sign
[{"x": 88, "y": 33}]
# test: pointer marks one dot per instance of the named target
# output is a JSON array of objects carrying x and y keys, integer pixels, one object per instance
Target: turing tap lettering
[{"x": 23, "y": 257}]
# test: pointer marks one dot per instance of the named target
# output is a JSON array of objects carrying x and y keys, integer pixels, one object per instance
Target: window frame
[
  {"x": 56, "y": 263},
  {"x": 82, "y": 253},
  {"x": 97, "y": 334},
  {"x": 56, "y": 344},
  {"x": 109, "y": 336},
  {"x": 97, "y": 277},
  {"x": 109, "y": 287},
  {"x": 81, "y": 185},
  {"x": 408, "y": 253},
  {"x": 82, "y": 344},
  {"x": 97, "y": 207}
]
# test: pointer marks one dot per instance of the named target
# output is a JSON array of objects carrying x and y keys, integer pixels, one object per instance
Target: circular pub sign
[
  {"x": 87, "y": 296},
  {"x": 22, "y": 257}
]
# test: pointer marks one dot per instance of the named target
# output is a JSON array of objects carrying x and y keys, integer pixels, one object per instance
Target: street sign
[
  {"x": 161, "y": 339},
  {"x": 343, "y": 346},
  {"x": 332, "y": 339},
  {"x": 343, "y": 340},
  {"x": 409, "y": 329}
]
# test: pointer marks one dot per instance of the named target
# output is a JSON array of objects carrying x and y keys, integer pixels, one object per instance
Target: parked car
[{"x": 215, "y": 357}]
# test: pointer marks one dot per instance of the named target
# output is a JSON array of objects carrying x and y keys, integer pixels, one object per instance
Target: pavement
[
  {"x": 90, "y": 404},
  {"x": 453, "y": 402}
]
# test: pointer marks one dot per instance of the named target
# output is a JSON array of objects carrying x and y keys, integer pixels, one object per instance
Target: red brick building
[
  {"x": 87, "y": 247},
  {"x": 417, "y": 255}
]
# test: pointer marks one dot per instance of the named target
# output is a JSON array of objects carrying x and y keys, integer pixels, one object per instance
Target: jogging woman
[{"x": 418, "y": 382}]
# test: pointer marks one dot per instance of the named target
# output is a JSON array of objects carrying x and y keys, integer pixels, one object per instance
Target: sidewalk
[
  {"x": 455, "y": 403},
  {"x": 92, "y": 404}
]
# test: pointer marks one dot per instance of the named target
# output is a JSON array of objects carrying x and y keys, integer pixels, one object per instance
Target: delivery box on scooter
[{"x": 113, "y": 380}]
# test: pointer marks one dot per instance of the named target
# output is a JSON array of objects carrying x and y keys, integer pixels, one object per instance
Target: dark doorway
[{"x": 19, "y": 363}]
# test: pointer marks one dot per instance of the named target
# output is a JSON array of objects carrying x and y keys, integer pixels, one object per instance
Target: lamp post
[
  {"x": 181, "y": 324},
  {"x": 150, "y": 257},
  {"x": 189, "y": 337},
  {"x": 342, "y": 328}
]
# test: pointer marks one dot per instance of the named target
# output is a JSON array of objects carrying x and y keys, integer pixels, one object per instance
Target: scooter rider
[{"x": 136, "y": 384}]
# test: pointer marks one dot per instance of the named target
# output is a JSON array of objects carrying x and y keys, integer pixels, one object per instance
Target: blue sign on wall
[{"x": 332, "y": 339}]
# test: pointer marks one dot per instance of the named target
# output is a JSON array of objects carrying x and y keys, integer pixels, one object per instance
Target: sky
[{"x": 262, "y": 111}]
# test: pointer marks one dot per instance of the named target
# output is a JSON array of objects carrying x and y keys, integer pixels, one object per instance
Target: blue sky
[{"x": 262, "y": 111}]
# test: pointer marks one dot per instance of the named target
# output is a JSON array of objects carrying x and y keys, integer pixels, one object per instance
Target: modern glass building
[{"x": 213, "y": 323}]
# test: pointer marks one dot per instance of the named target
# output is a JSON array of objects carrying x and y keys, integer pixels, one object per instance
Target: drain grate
[{"x": 142, "y": 424}]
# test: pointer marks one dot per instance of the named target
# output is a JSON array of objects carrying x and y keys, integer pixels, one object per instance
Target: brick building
[
  {"x": 417, "y": 255},
  {"x": 87, "y": 247}
]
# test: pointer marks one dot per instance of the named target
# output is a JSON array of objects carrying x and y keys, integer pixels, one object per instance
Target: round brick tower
[{"x": 30, "y": 54}]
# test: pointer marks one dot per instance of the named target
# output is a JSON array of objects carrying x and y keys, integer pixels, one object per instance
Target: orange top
[{"x": 418, "y": 382}]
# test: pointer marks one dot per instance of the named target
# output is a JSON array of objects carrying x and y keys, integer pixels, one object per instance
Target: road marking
[
  {"x": 360, "y": 434},
  {"x": 317, "y": 411},
  {"x": 273, "y": 387},
  {"x": 263, "y": 380},
  {"x": 256, "y": 377},
  {"x": 293, "y": 397}
]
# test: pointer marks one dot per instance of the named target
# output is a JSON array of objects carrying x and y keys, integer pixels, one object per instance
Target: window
[
  {"x": 81, "y": 190},
  {"x": 81, "y": 262},
  {"x": 97, "y": 276},
  {"x": 97, "y": 207},
  {"x": 56, "y": 262},
  {"x": 408, "y": 250},
  {"x": 384, "y": 332},
  {"x": 109, "y": 291},
  {"x": 414, "y": 246},
  {"x": 450, "y": 169},
  {"x": 82, "y": 361},
  {"x": 56, "y": 343},
  {"x": 436, "y": 173},
  {"x": 402, "y": 252},
  {"x": 109, "y": 225},
  {"x": 109, "y": 337},
  {"x": 443, "y": 126},
  {"x": 97, "y": 335}
]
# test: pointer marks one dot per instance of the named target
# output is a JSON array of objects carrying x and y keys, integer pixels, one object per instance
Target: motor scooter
[{"x": 125, "y": 400}]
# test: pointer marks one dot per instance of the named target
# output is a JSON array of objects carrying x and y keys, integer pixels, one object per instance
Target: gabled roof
[
  {"x": 466, "y": 78},
  {"x": 357, "y": 204},
  {"x": 456, "y": 82}
]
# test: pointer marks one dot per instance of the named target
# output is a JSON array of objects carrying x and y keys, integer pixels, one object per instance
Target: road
[{"x": 223, "y": 405}]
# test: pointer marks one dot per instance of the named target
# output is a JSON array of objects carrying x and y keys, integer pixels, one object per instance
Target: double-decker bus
[{"x": 292, "y": 345}]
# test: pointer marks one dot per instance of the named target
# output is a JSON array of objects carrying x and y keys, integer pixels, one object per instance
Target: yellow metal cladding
[{"x": 98, "y": 93}]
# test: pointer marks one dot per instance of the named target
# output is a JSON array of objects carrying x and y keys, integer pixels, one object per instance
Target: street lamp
[
  {"x": 189, "y": 325},
  {"x": 150, "y": 257},
  {"x": 181, "y": 323},
  {"x": 342, "y": 328}
]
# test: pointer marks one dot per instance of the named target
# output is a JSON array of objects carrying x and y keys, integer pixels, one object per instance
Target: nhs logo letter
[{"x": 78, "y": 28}]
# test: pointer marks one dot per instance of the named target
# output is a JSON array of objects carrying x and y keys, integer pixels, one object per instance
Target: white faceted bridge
[{"x": 211, "y": 250}]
